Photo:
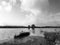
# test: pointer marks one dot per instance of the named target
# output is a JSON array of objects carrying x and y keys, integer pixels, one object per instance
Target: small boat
[{"x": 22, "y": 35}]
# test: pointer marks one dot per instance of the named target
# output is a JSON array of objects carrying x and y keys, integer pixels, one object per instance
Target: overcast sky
[{"x": 39, "y": 12}]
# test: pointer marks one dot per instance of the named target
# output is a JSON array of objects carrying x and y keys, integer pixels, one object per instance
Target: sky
[{"x": 25, "y": 12}]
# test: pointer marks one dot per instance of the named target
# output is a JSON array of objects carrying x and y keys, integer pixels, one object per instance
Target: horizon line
[{"x": 30, "y": 27}]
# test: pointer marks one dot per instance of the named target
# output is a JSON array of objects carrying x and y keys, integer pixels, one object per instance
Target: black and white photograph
[{"x": 29, "y": 22}]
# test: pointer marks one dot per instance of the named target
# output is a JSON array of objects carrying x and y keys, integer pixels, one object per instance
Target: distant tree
[
  {"x": 33, "y": 26},
  {"x": 28, "y": 26}
]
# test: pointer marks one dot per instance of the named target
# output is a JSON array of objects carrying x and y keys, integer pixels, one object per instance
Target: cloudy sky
[{"x": 24, "y": 12}]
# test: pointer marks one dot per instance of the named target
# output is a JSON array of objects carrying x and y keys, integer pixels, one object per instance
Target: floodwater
[{"x": 8, "y": 33}]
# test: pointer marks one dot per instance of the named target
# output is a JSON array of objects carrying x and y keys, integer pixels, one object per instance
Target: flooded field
[
  {"x": 7, "y": 34},
  {"x": 32, "y": 40}
]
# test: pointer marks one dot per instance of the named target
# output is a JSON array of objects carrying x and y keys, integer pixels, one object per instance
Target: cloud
[
  {"x": 38, "y": 8},
  {"x": 44, "y": 11},
  {"x": 28, "y": 12},
  {"x": 54, "y": 6},
  {"x": 32, "y": 10}
]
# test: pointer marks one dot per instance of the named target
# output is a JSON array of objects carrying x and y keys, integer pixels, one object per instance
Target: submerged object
[{"x": 22, "y": 35}]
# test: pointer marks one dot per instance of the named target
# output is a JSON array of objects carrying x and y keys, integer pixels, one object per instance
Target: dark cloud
[
  {"x": 54, "y": 6},
  {"x": 50, "y": 6},
  {"x": 49, "y": 9}
]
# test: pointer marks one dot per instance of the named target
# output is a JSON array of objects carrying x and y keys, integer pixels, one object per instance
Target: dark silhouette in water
[{"x": 22, "y": 35}]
